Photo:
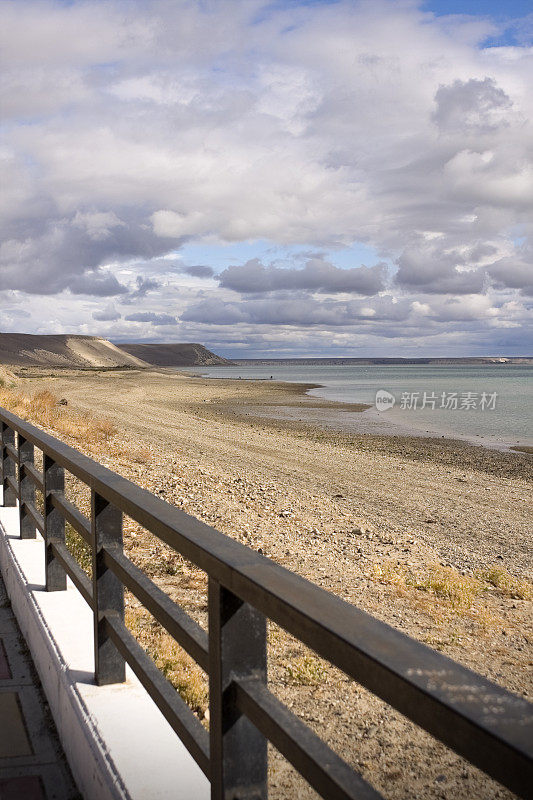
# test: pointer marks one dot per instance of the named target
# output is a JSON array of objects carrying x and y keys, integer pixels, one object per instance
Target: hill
[
  {"x": 63, "y": 350},
  {"x": 174, "y": 354}
]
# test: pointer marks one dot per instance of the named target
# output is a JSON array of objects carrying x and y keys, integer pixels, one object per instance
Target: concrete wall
[{"x": 116, "y": 740}]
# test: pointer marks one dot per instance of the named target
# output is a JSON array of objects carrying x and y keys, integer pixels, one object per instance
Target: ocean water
[{"x": 474, "y": 401}]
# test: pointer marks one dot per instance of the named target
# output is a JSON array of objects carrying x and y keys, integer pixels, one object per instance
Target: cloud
[
  {"x": 462, "y": 309},
  {"x": 515, "y": 272},
  {"x": 474, "y": 105},
  {"x": 428, "y": 268},
  {"x": 97, "y": 225},
  {"x": 45, "y": 253},
  {"x": 198, "y": 271},
  {"x": 152, "y": 317},
  {"x": 17, "y": 313},
  {"x": 144, "y": 285},
  {"x": 133, "y": 129},
  {"x": 95, "y": 282},
  {"x": 296, "y": 310},
  {"x": 317, "y": 275},
  {"x": 107, "y": 314}
]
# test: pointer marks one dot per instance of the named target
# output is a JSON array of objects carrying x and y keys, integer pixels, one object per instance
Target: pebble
[{"x": 240, "y": 504}]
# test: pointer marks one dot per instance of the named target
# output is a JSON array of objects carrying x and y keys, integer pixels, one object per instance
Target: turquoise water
[{"x": 509, "y": 421}]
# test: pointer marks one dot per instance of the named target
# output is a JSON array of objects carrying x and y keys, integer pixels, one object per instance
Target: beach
[
  {"x": 431, "y": 535},
  {"x": 488, "y": 404}
]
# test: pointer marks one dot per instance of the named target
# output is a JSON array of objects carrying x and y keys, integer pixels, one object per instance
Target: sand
[
  {"x": 371, "y": 518},
  {"x": 62, "y": 350}
]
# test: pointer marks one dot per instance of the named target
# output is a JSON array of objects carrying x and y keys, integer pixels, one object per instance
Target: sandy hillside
[{"x": 64, "y": 351}]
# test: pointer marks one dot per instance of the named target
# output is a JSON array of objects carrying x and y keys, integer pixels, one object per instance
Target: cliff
[{"x": 174, "y": 354}]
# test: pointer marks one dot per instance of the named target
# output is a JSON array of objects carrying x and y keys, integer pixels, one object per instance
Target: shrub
[
  {"x": 307, "y": 671},
  {"x": 506, "y": 583}
]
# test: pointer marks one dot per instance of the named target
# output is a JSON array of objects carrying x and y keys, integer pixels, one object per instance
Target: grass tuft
[
  {"x": 507, "y": 584},
  {"x": 307, "y": 671},
  {"x": 444, "y": 585},
  {"x": 176, "y": 665}
]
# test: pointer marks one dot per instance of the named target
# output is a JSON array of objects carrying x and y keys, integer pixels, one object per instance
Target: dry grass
[
  {"x": 307, "y": 671},
  {"x": 447, "y": 584},
  {"x": 79, "y": 549},
  {"x": 441, "y": 591},
  {"x": 445, "y": 593},
  {"x": 507, "y": 584},
  {"x": 43, "y": 409},
  {"x": 175, "y": 664},
  {"x": 7, "y": 379},
  {"x": 141, "y": 455}
]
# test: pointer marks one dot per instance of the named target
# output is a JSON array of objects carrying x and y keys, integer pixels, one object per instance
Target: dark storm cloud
[{"x": 316, "y": 276}]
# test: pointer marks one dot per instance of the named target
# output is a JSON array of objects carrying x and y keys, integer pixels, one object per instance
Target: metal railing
[{"x": 487, "y": 725}]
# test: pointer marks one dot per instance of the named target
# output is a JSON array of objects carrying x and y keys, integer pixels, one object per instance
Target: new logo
[{"x": 384, "y": 400}]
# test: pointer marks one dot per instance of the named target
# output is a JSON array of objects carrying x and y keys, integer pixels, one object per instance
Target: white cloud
[
  {"x": 317, "y": 275},
  {"x": 108, "y": 313},
  {"x": 133, "y": 127}
]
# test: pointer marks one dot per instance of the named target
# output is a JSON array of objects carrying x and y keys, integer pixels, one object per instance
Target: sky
[{"x": 349, "y": 178}]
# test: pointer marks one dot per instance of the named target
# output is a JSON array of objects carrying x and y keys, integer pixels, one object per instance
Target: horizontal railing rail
[
  {"x": 180, "y": 625},
  {"x": 72, "y": 515},
  {"x": 489, "y": 726}
]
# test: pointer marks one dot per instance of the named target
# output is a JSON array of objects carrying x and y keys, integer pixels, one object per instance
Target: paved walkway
[{"x": 32, "y": 763}]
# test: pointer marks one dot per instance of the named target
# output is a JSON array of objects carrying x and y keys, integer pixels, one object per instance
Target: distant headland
[
  {"x": 69, "y": 351},
  {"x": 174, "y": 354}
]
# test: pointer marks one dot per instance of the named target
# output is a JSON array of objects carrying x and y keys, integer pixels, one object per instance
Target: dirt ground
[{"x": 432, "y": 536}]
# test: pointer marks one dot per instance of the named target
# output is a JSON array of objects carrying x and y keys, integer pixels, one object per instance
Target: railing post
[
  {"x": 8, "y": 466},
  {"x": 237, "y": 649},
  {"x": 54, "y": 524},
  {"x": 108, "y": 592},
  {"x": 26, "y": 488}
]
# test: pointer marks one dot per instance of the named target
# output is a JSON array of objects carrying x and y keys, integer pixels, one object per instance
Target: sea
[{"x": 490, "y": 404}]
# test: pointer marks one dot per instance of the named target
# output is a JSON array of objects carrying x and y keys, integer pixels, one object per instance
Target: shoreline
[
  {"x": 369, "y": 419},
  {"x": 313, "y": 411},
  {"x": 289, "y": 406}
]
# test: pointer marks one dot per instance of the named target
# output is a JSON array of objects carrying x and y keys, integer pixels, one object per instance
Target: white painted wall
[{"x": 116, "y": 740}]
